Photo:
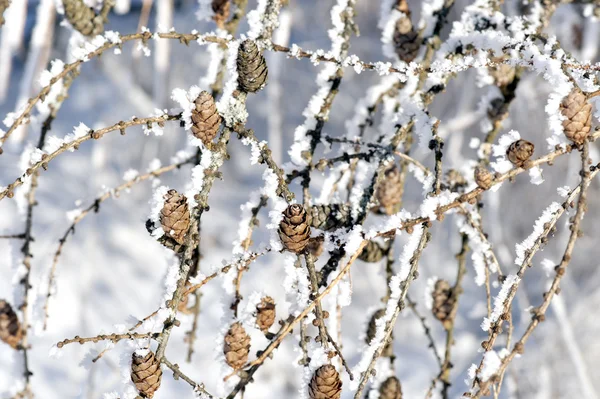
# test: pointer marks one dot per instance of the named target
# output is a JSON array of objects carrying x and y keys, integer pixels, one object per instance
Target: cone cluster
[
  {"x": 265, "y": 314},
  {"x": 3, "y": 6},
  {"x": 443, "y": 301},
  {"x": 221, "y": 9},
  {"x": 577, "y": 112},
  {"x": 389, "y": 190},
  {"x": 483, "y": 177},
  {"x": 330, "y": 217},
  {"x": 388, "y": 351},
  {"x": 205, "y": 118},
  {"x": 390, "y": 389},
  {"x": 519, "y": 152},
  {"x": 10, "y": 328},
  {"x": 325, "y": 383},
  {"x": 175, "y": 216},
  {"x": 372, "y": 252},
  {"x": 406, "y": 38},
  {"x": 83, "y": 18},
  {"x": 294, "y": 229},
  {"x": 236, "y": 346},
  {"x": 251, "y": 67},
  {"x": 146, "y": 374}
]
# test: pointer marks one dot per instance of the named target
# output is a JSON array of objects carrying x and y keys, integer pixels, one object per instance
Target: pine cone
[
  {"x": 4, "y": 4},
  {"x": 83, "y": 18},
  {"x": 406, "y": 40},
  {"x": 315, "y": 246},
  {"x": 221, "y": 9},
  {"x": 294, "y": 229},
  {"x": 330, "y": 217},
  {"x": 146, "y": 373},
  {"x": 325, "y": 383},
  {"x": 519, "y": 152},
  {"x": 10, "y": 328},
  {"x": 372, "y": 252},
  {"x": 483, "y": 177},
  {"x": 175, "y": 216},
  {"x": 503, "y": 74},
  {"x": 578, "y": 116},
  {"x": 251, "y": 67},
  {"x": 388, "y": 351},
  {"x": 443, "y": 301},
  {"x": 389, "y": 190},
  {"x": 390, "y": 389},
  {"x": 265, "y": 314},
  {"x": 236, "y": 346},
  {"x": 206, "y": 120}
]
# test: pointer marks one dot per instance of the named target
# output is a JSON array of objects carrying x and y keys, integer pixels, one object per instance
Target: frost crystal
[
  {"x": 499, "y": 300},
  {"x": 538, "y": 229}
]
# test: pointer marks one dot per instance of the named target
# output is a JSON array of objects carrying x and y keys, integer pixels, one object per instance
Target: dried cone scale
[
  {"x": 251, "y": 67},
  {"x": 325, "y": 383},
  {"x": 175, "y": 216},
  {"x": 10, "y": 328},
  {"x": 294, "y": 229},
  {"x": 577, "y": 112},
  {"x": 483, "y": 177},
  {"x": 236, "y": 346},
  {"x": 519, "y": 152},
  {"x": 83, "y": 18},
  {"x": 390, "y": 389},
  {"x": 389, "y": 190},
  {"x": 205, "y": 118},
  {"x": 146, "y": 374},
  {"x": 265, "y": 314},
  {"x": 388, "y": 351},
  {"x": 443, "y": 301}
]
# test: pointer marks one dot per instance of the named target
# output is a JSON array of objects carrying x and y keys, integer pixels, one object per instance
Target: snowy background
[{"x": 111, "y": 269}]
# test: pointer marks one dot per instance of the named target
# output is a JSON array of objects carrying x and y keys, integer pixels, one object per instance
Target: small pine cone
[
  {"x": 251, "y": 67},
  {"x": 265, "y": 314},
  {"x": 236, "y": 346},
  {"x": 390, "y": 389},
  {"x": 294, "y": 229},
  {"x": 206, "y": 120},
  {"x": 221, "y": 9},
  {"x": 406, "y": 40},
  {"x": 578, "y": 116},
  {"x": 175, "y": 216},
  {"x": 3, "y": 6},
  {"x": 325, "y": 383},
  {"x": 146, "y": 373},
  {"x": 10, "y": 328},
  {"x": 389, "y": 190},
  {"x": 83, "y": 18},
  {"x": 330, "y": 217},
  {"x": 443, "y": 301},
  {"x": 315, "y": 246},
  {"x": 503, "y": 74},
  {"x": 483, "y": 177},
  {"x": 519, "y": 152},
  {"x": 372, "y": 252},
  {"x": 388, "y": 351}
]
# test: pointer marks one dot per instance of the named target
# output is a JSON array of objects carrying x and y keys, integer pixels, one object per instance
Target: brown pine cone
[
  {"x": 325, "y": 383},
  {"x": 175, "y": 216},
  {"x": 578, "y": 116},
  {"x": 146, "y": 374},
  {"x": 519, "y": 152},
  {"x": 315, "y": 246},
  {"x": 10, "y": 328},
  {"x": 443, "y": 301},
  {"x": 483, "y": 177},
  {"x": 251, "y": 67},
  {"x": 236, "y": 346},
  {"x": 265, "y": 314},
  {"x": 4, "y": 4},
  {"x": 372, "y": 252},
  {"x": 221, "y": 9},
  {"x": 406, "y": 40},
  {"x": 388, "y": 351},
  {"x": 390, "y": 389},
  {"x": 294, "y": 229},
  {"x": 330, "y": 217},
  {"x": 83, "y": 18},
  {"x": 389, "y": 190},
  {"x": 206, "y": 120}
]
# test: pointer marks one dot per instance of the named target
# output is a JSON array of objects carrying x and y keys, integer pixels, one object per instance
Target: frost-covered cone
[
  {"x": 251, "y": 67},
  {"x": 503, "y": 74},
  {"x": 294, "y": 229},
  {"x": 146, "y": 374},
  {"x": 325, "y": 383},
  {"x": 265, "y": 314},
  {"x": 3, "y": 6},
  {"x": 483, "y": 177},
  {"x": 389, "y": 190},
  {"x": 372, "y": 252},
  {"x": 406, "y": 40},
  {"x": 443, "y": 301},
  {"x": 330, "y": 217},
  {"x": 221, "y": 9},
  {"x": 390, "y": 389},
  {"x": 236, "y": 346},
  {"x": 388, "y": 351},
  {"x": 578, "y": 116},
  {"x": 519, "y": 152},
  {"x": 175, "y": 216},
  {"x": 205, "y": 118},
  {"x": 10, "y": 328},
  {"x": 83, "y": 18}
]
